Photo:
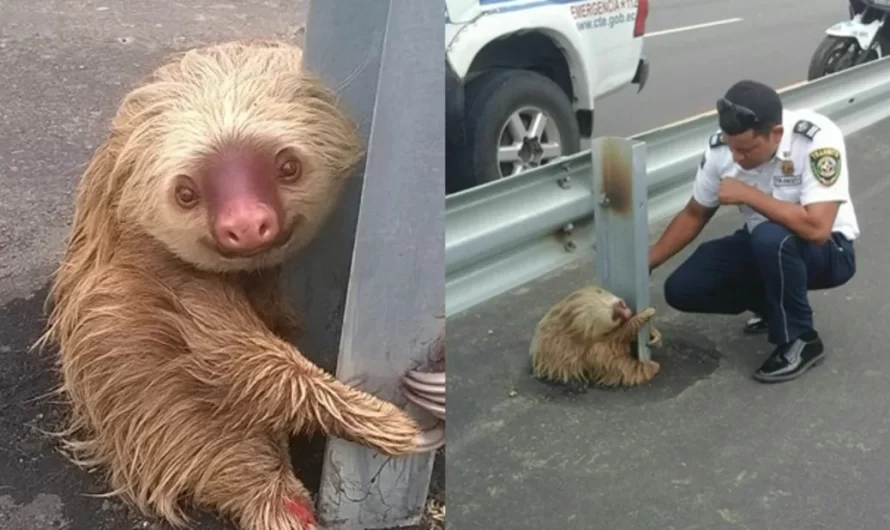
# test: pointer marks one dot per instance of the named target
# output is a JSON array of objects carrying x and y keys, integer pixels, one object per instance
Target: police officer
[{"x": 787, "y": 172}]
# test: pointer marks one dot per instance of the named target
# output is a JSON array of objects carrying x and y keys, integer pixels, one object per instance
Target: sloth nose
[
  {"x": 246, "y": 228},
  {"x": 620, "y": 311}
]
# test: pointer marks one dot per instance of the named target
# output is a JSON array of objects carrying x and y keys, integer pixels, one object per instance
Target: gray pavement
[
  {"x": 690, "y": 70},
  {"x": 704, "y": 446},
  {"x": 63, "y": 68}
]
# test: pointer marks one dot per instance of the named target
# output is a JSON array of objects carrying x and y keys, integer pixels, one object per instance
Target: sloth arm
[
  {"x": 172, "y": 334},
  {"x": 252, "y": 369},
  {"x": 629, "y": 330}
]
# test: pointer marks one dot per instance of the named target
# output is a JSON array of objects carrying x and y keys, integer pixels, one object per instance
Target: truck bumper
[{"x": 642, "y": 74}]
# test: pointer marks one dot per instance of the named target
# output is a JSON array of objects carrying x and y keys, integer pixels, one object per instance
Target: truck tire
[{"x": 491, "y": 99}]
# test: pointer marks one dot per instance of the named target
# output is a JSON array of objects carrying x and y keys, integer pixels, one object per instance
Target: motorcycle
[{"x": 852, "y": 42}]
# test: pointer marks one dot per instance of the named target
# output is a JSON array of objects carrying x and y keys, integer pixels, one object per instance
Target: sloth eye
[
  {"x": 289, "y": 166},
  {"x": 186, "y": 195},
  {"x": 290, "y": 170}
]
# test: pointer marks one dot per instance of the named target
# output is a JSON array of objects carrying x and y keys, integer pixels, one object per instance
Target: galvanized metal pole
[
  {"x": 372, "y": 285},
  {"x": 621, "y": 224}
]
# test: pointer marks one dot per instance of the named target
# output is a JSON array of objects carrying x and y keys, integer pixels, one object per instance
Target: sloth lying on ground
[
  {"x": 167, "y": 310},
  {"x": 588, "y": 336}
]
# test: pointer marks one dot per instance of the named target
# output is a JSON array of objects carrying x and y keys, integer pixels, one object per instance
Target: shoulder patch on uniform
[
  {"x": 704, "y": 158},
  {"x": 826, "y": 165},
  {"x": 806, "y": 128},
  {"x": 716, "y": 140}
]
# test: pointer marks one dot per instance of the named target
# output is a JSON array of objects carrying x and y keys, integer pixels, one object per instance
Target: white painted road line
[
  {"x": 693, "y": 27},
  {"x": 710, "y": 112}
]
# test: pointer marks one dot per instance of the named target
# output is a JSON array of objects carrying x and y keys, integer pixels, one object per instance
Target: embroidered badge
[{"x": 826, "y": 165}]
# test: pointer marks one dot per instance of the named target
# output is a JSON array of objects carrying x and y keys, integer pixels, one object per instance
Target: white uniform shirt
[{"x": 803, "y": 170}]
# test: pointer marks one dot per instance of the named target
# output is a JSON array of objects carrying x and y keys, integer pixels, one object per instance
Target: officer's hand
[{"x": 733, "y": 191}]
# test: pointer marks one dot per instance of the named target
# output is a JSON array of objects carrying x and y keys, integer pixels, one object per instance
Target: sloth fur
[
  {"x": 578, "y": 340},
  {"x": 175, "y": 360}
]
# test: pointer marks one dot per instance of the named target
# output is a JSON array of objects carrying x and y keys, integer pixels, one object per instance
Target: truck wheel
[{"x": 516, "y": 120}]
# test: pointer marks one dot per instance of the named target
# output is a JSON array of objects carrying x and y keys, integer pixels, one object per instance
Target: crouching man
[{"x": 787, "y": 172}]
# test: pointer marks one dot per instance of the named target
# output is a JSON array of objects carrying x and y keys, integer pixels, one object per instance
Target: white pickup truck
[{"x": 523, "y": 75}]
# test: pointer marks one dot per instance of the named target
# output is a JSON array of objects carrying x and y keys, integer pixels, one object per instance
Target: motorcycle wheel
[{"x": 835, "y": 54}]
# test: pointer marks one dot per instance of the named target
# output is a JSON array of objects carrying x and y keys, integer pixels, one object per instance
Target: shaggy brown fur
[
  {"x": 582, "y": 338},
  {"x": 174, "y": 357}
]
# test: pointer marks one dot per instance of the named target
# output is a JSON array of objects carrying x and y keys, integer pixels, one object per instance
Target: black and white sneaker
[
  {"x": 791, "y": 360},
  {"x": 756, "y": 325}
]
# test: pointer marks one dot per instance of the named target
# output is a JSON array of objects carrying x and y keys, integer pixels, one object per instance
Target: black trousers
[{"x": 768, "y": 271}]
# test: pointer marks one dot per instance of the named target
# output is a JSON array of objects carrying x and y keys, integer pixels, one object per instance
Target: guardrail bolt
[
  {"x": 567, "y": 229},
  {"x": 565, "y": 182}
]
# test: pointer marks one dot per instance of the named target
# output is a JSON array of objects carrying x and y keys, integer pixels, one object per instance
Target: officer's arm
[
  {"x": 687, "y": 224},
  {"x": 825, "y": 184},
  {"x": 823, "y": 188}
]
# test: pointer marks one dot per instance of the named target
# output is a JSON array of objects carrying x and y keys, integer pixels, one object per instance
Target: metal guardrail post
[
  {"x": 621, "y": 224},
  {"x": 371, "y": 285}
]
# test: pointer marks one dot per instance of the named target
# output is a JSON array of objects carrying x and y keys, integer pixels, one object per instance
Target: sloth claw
[
  {"x": 654, "y": 337},
  {"x": 431, "y": 439},
  {"x": 426, "y": 390}
]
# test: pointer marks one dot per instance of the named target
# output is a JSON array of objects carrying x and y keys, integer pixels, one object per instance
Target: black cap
[{"x": 753, "y": 105}]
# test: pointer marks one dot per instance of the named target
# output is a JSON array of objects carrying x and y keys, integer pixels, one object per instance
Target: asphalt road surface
[
  {"x": 63, "y": 67},
  {"x": 704, "y": 446},
  {"x": 691, "y": 68}
]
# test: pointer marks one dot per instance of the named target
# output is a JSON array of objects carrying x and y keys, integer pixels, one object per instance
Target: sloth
[
  {"x": 167, "y": 309},
  {"x": 588, "y": 336}
]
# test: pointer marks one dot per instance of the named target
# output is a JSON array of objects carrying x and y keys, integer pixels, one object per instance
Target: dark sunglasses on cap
[{"x": 744, "y": 117}]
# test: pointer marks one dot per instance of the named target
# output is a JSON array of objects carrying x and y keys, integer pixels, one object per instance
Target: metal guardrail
[{"x": 503, "y": 234}]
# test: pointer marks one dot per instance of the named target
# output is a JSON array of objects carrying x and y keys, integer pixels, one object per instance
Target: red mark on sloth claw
[{"x": 301, "y": 511}]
